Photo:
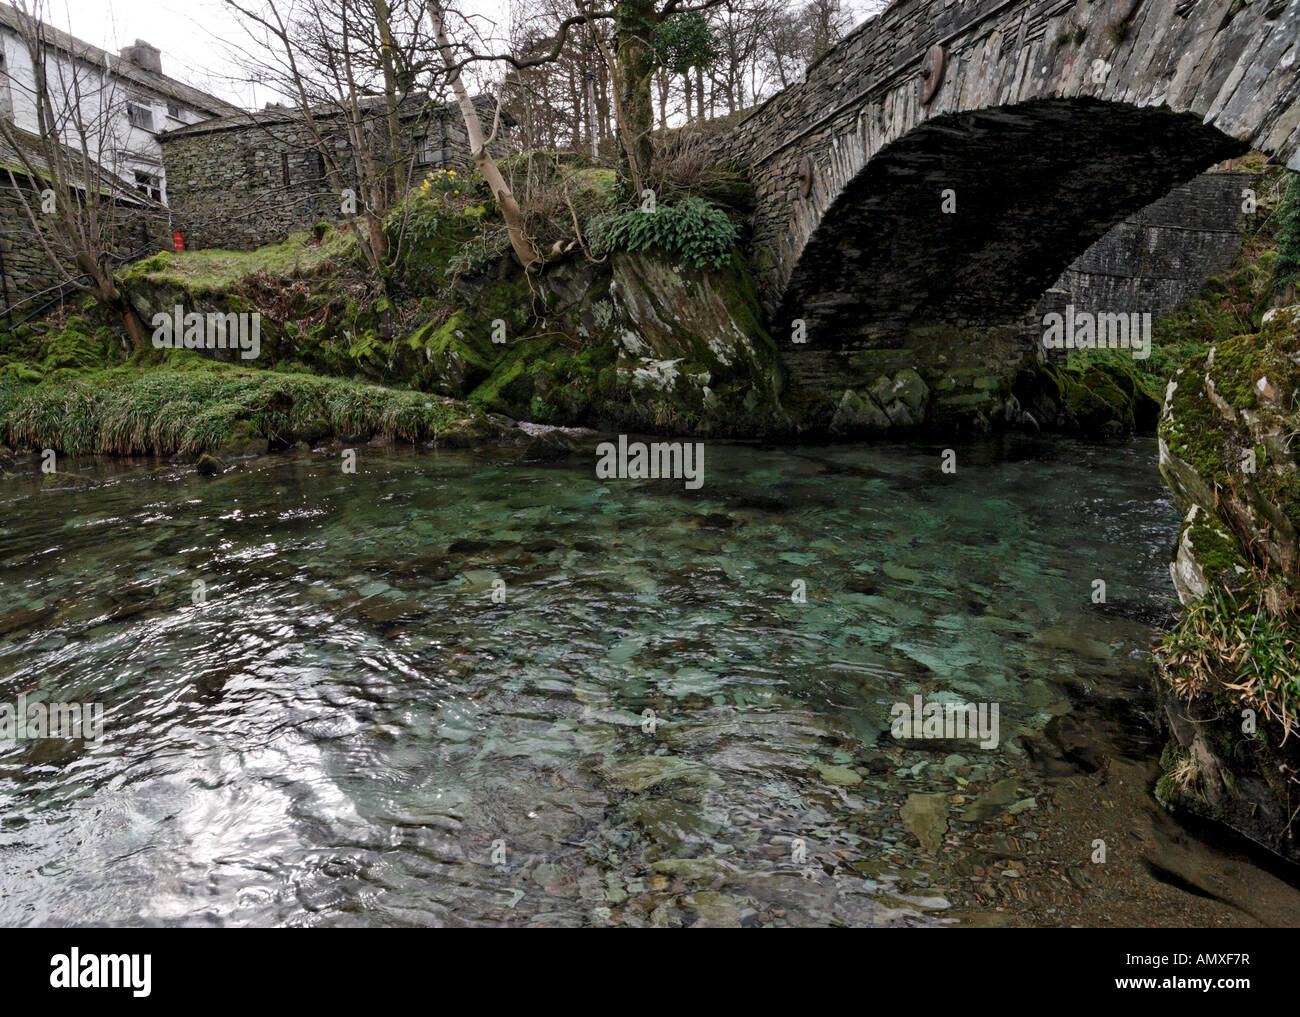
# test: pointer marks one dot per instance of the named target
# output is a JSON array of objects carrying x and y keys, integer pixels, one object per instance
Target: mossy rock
[
  {"x": 244, "y": 439},
  {"x": 21, "y": 372},
  {"x": 1103, "y": 399},
  {"x": 730, "y": 188},
  {"x": 209, "y": 466},
  {"x": 1226, "y": 440},
  {"x": 79, "y": 346}
]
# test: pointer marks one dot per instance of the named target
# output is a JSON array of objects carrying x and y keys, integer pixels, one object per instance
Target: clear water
[{"x": 350, "y": 731}]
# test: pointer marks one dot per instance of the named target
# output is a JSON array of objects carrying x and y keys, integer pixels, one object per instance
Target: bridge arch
[
  {"x": 1049, "y": 121},
  {"x": 968, "y": 218}
]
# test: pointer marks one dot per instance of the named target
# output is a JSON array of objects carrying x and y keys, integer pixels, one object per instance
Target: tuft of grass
[
  {"x": 1186, "y": 777},
  {"x": 1242, "y": 644},
  {"x": 129, "y": 412}
]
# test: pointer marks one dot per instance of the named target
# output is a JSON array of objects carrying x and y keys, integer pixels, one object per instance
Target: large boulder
[
  {"x": 691, "y": 342},
  {"x": 887, "y": 403},
  {"x": 634, "y": 342}
]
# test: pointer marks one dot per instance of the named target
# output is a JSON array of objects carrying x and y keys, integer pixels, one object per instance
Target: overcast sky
[{"x": 192, "y": 35}]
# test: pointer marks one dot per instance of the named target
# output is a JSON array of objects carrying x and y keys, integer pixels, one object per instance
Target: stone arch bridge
[{"x": 936, "y": 172}]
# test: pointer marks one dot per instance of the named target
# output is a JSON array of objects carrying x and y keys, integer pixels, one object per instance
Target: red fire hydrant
[{"x": 178, "y": 241}]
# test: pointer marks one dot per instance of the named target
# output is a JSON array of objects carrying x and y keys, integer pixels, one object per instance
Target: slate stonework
[
  {"x": 1053, "y": 121},
  {"x": 30, "y": 276},
  {"x": 243, "y": 182}
]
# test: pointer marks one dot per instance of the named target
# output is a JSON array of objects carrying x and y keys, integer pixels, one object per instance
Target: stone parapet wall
[{"x": 30, "y": 274}]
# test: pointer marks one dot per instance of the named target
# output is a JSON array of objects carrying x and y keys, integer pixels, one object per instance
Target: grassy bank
[{"x": 132, "y": 410}]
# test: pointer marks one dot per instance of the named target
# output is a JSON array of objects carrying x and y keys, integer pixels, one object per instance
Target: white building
[{"x": 119, "y": 104}]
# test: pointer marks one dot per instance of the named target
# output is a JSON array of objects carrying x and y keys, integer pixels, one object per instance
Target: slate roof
[
  {"x": 273, "y": 115},
  {"x": 15, "y": 20},
  {"x": 10, "y": 160}
]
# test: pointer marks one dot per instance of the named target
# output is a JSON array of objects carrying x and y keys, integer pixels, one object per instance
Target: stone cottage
[
  {"x": 113, "y": 105},
  {"x": 249, "y": 179}
]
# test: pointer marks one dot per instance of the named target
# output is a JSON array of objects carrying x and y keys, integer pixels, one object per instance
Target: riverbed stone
[
  {"x": 840, "y": 776},
  {"x": 715, "y": 910},
  {"x": 926, "y": 816},
  {"x": 858, "y": 414},
  {"x": 993, "y": 801},
  {"x": 644, "y": 772}
]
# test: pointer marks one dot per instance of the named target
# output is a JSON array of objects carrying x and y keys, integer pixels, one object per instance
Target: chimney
[{"x": 146, "y": 57}]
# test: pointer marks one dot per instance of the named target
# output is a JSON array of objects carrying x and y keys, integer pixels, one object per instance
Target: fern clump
[{"x": 699, "y": 233}]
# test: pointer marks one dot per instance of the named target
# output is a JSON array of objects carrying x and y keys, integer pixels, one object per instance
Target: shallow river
[{"x": 351, "y": 728}]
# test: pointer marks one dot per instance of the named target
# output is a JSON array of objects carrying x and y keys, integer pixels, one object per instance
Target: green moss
[
  {"x": 1215, "y": 549},
  {"x": 591, "y": 189},
  {"x": 507, "y": 390},
  {"x": 728, "y": 187},
  {"x": 1198, "y": 433},
  {"x": 17, "y": 371},
  {"x": 1194, "y": 431},
  {"x": 1101, "y": 392},
  {"x": 432, "y": 236},
  {"x": 77, "y": 346},
  {"x": 1239, "y": 362}
]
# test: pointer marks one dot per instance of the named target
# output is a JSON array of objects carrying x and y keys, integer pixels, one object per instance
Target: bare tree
[
  {"x": 479, "y": 144},
  {"x": 83, "y": 214},
  {"x": 632, "y": 59},
  {"x": 352, "y": 70}
]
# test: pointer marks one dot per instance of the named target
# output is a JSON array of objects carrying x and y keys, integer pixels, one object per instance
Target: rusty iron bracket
[{"x": 932, "y": 73}]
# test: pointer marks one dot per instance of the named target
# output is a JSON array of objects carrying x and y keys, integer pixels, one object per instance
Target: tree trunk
[
  {"x": 634, "y": 66},
  {"x": 575, "y": 99},
  {"x": 483, "y": 160},
  {"x": 396, "y": 180},
  {"x": 108, "y": 294}
]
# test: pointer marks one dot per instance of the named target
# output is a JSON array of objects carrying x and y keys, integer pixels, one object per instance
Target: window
[
  {"x": 139, "y": 115},
  {"x": 284, "y": 167},
  {"x": 430, "y": 152},
  {"x": 173, "y": 111},
  {"x": 148, "y": 184}
]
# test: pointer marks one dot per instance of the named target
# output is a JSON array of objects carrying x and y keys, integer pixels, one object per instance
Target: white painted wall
[{"x": 96, "y": 106}]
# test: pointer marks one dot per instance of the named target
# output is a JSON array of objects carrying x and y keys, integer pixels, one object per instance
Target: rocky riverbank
[
  {"x": 1229, "y": 679},
  {"x": 636, "y": 342}
]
